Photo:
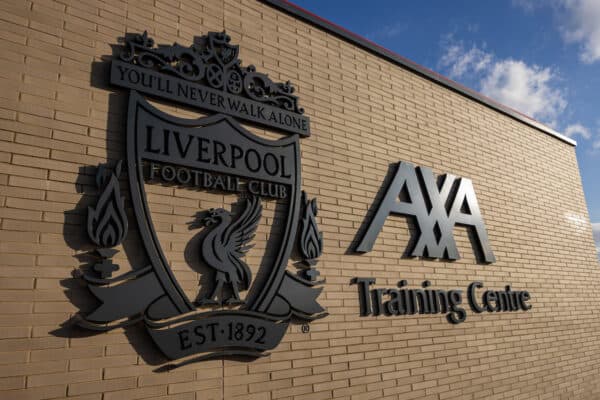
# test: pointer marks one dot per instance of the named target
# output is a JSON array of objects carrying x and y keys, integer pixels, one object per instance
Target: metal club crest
[{"x": 214, "y": 154}]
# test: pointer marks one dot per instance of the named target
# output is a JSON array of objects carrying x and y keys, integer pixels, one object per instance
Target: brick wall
[{"x": 60, "y": 119}]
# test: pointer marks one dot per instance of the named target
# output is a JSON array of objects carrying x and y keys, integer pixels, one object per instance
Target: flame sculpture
[
  {"x": 107, "y": 223},
  {"x": 311, "y": 239}
]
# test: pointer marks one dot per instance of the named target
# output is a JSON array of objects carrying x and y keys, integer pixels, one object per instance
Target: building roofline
[{"x": 355, "y": 39}]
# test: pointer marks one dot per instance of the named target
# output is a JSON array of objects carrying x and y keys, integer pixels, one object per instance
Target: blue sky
[{"x": 539, "y": 57}]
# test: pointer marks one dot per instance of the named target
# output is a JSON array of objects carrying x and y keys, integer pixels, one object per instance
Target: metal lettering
[{"x": 407, "y": 194}]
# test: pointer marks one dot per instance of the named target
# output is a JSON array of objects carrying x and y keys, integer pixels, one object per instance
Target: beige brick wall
[{"x": 60, "y": 118}]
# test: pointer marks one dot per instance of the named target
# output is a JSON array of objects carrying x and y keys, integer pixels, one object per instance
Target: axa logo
[{"x": 437, "y": 205}]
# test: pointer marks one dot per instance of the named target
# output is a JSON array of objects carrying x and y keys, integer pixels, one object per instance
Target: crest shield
[
  {"x": 217, "y": 155},
  {"x": 191, "y": 144},
  {"x": 212, "y": 153}
]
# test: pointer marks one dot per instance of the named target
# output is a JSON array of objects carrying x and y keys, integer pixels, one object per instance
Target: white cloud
[
  {"x": 528, "y": 88},
  {"x": 577, "y": 129},
  {"x": 582, "y": 26},
  {"x": 579, "y": 23},
  {"x": 460, "y": 62}
]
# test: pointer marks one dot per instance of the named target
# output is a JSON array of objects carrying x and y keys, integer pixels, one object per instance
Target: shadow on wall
[{"x": 75, "y": 227}]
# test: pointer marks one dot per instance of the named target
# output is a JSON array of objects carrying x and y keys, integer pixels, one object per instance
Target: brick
[
  {"x": 16, "y": 283},
  {"x": 139, "y": 393},
  {"x": 100, "y": 362},
  {"x": 12, "y": 383},
  {"x": 32, "y": 368},
  {"x": 47, "y": 392},
  {"x": 66, "y": 354},
  {"x": 110, "y": 385},
  {"x": 62, "y": 378}
]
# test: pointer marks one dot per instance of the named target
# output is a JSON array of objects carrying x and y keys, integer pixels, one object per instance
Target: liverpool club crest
[{"x": 239, "y": 314}]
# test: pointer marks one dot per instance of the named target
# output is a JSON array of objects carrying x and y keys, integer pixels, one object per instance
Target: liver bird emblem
[{"x": 225, "y": 245}]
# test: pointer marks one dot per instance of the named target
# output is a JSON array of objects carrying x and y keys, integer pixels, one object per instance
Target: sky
[{"x": 540, "y": 57}]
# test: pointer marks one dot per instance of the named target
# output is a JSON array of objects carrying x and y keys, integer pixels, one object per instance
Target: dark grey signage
[
  {"x": 427, "y": 300},
  {"x": 239, "y": 332},
  {"x": 436, "y": 207},
  {"x": 214, "y": 153},
  {"x": 208, "y": 75},
  {"x": 240, "y": 315}
]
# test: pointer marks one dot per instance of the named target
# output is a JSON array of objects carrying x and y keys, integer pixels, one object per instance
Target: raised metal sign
[
  {"x": 437, "y": 208},
  {"x": 239, "y": 314},
  {"x": 208, "y": 75},
  {"x": 403, "y": 300},
  {"x": 215, "y": 154}
]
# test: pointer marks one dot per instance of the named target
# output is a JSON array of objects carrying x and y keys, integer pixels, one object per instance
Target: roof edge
[{"x": 397, "y": 59}]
